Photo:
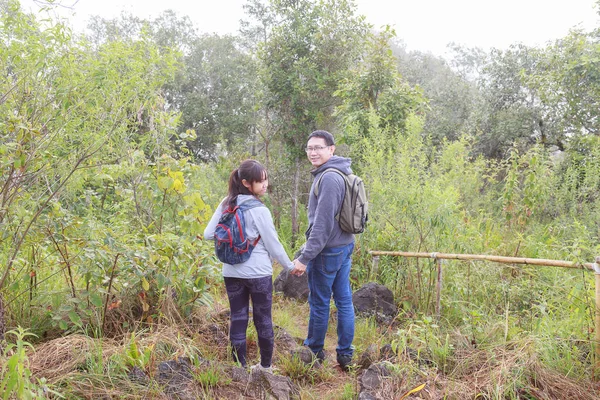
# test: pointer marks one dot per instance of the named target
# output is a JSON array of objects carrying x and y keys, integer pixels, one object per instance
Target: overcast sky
[{"x": 426, "y": 25}]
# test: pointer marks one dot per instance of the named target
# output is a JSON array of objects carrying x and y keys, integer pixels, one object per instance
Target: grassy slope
[{"x": 81, "y": 367}]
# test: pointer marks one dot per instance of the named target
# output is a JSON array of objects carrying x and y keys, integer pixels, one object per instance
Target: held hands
[{"x": 299, "y": 268}]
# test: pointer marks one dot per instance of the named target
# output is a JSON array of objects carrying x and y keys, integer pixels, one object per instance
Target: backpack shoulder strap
[
  {"x": 252, "y": 203},
  {"x": 316, "y": 190}
]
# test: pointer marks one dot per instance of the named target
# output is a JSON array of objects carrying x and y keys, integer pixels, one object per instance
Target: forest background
[{"x": 116, "y": 147}]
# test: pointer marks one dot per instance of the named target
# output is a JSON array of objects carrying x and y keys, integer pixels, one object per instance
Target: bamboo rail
[
  {"x": 595, "y": 267},
  {"x": 481, "y": 257}
]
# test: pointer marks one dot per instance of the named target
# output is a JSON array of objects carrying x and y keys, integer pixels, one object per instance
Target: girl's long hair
[{"x": 250, "y": 170}]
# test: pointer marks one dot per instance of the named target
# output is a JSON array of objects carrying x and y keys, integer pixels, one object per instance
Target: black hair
[
  {"x": 324, "y": 135},
  {"x": 250, "y": 170}
]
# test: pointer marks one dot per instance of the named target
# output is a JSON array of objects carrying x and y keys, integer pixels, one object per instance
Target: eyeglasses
[{"x": 316, "y": 148}]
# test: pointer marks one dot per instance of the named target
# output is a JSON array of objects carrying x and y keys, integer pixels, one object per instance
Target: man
[{"x": 326, "y": 256}]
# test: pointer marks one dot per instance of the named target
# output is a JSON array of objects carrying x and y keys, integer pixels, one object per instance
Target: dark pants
[{"x": 239, "y": 292}]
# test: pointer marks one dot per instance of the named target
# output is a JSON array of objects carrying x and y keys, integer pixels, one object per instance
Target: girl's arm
[
  {"x": 209, "y": 231},
  {"x": 268, "y": 234}
]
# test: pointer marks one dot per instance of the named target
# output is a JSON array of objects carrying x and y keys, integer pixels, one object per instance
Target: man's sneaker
[
  {"x": 345, "y": 361},
  {"x": 320, "y": 356},
  {"x": 259, "y": 368}
]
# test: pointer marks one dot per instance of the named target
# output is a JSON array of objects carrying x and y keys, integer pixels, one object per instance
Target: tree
[
  {"x": 214, "y": 88},
  {"x": 375, "y": 88},
  {"x": 451, "y": 97},
  {"x": 64, "y": 109},
  {"x": 309, "y": 48},
  {"x": 568, "y": 79},
  {"x": 508, "y": 111},
  {"x": 215, "y": 92}
]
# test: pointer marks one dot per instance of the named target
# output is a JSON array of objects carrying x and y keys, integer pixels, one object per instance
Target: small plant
[
  {"x": 211, "y": 377},
  {"x": 425, "y": 337},
  {"x": 349, "y": 392},
  {"x": 312, "y": 373},
  {"x": 15, "y": 374},
  {"x": 285, "y": 315},
  {"x": 251, "y": 334},
  {"x": 294, "y": 368},
  {"x": 94, "y": 362},
  {"x": 365, "y": 334},
  {"x": 136, "y": 357}
]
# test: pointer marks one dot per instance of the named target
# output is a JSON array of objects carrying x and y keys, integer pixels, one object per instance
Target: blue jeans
[{"x": 329, "y": 273}]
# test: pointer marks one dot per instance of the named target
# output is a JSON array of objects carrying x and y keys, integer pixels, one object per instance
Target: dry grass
[
  {"x": 506, "y": 372},
  {"x": 58, "y": 357},
  {"x": 167, "y": 336},
  {"x": 90, "y": 387}
]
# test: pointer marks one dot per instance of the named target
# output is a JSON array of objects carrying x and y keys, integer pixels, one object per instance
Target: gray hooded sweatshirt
[
  {"x": 258, "y": 222},
  {"x": 323, "y": 229}
]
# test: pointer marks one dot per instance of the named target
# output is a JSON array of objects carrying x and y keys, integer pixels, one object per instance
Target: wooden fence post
[
  {"x": 438, "y": 294},
  {"x": 374, "y": 269},
  {"x": 597, "y": 320}
]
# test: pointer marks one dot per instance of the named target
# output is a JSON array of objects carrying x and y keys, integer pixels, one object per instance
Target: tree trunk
[{"x": 295, "y": 196}]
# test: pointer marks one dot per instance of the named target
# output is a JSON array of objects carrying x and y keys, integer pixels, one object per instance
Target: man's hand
[{"x": 299, "y": 268}]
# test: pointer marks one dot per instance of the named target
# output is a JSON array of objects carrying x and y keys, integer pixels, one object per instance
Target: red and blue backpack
[{"x": 231, "y": 244}]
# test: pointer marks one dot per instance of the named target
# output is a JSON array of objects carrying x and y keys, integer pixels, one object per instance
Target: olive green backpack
[{"x": 353, "y": 214}]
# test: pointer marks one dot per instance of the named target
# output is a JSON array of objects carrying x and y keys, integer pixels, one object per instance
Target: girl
[{"x": 253, "y": 278}]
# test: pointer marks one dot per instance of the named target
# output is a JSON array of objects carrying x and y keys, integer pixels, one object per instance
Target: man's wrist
[{"x": 303, "y": 260}]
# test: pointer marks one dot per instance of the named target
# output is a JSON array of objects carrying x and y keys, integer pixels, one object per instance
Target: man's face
[{"x": 318, "y": 152}]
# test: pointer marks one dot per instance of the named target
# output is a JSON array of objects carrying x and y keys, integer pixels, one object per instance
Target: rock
[
  {"x": 387, "y": 352},
  {"x": 375, "y": 299},
  {"x": 368, "y": 357},
  {"x": 174, "y": 369},
  {"x": 284, "y": 342},
  {"x": 279, "y": 387},
  {"x": 366, "y": 396},
  {"x": 304, "y": 354},
  {"x": 239, "y": 374},
  {"x": 292, "y": 286},
  {"x": 371, "y": 380},
  {"x": 204, "y": 362},
  {"x": 177, "y": 377},
  {"x": 137, "y": 375}
]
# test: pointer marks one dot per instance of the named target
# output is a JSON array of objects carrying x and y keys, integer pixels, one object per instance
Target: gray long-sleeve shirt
[
  {"x": 258, "y": 222},
  {"x": 323, "y": 229}
]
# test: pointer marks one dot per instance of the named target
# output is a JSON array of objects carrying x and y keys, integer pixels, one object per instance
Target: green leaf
[
  {"x": 63, "y": 325},
  {"x": 74, "y": 317},
  {"x": 165, "y": 182},
  {"x": 96, "y": 299},
  {"x": 66, "y": 308},
  {"x": 11, "y": 383}
]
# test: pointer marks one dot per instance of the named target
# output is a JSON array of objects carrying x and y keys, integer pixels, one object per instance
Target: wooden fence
[{"x": 594, "y": 267}]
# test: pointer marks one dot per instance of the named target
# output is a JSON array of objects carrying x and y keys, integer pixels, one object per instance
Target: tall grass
[{"x": 531, "y": 205}]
